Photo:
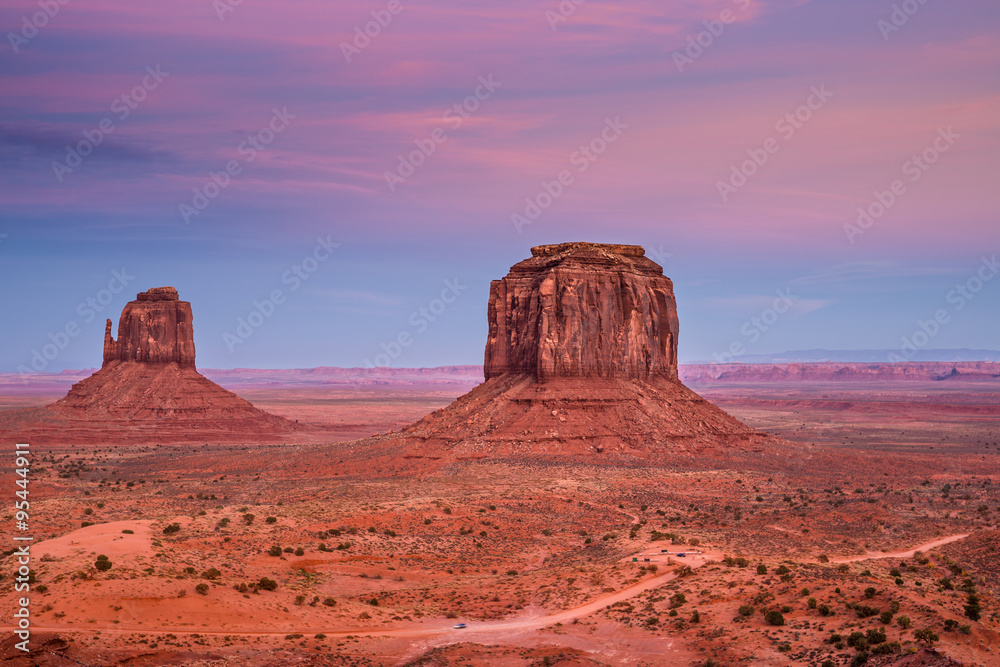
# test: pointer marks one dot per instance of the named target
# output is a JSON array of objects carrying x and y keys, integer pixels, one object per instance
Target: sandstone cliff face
[
  {"x": 581, "y": 362},
  {"x": 148, "y": 389},
  {"x": 156, "y": 328},
  {"x": 583, "y": 310}
]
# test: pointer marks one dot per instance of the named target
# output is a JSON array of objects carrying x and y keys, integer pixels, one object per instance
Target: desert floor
[{"x": 888, "y": 529}]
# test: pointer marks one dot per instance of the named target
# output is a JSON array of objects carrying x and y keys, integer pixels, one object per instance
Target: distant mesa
[
  {"x": 148, "y": 387},
  {"x": 581, "y": 361}
]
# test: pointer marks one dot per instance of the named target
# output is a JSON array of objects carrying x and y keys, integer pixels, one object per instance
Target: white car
[{"x": 459, "y": 626}]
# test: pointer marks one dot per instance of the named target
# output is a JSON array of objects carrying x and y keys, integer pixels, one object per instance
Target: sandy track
[
  {"x": 440, "y": 627},
  {"x": 487, "y": 630},
  {"x": 902, "y": 554}
]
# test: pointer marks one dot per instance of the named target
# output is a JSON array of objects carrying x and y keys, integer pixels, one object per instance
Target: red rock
[
  {"x": 583, "y": 310},
  {"x": 580, "y": 362},
  {"x": 156, "y": 328},
  {"x": 148, "y": 389}
]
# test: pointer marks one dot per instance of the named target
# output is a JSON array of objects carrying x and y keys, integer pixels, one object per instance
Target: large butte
[{"x": 580, "y": 362}]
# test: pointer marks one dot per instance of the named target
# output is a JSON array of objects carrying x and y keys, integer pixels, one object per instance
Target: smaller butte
[{"x": 148, "y": 388}]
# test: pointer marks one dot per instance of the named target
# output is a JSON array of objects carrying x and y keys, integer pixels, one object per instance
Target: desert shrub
[
  {"x": 447, "y": 510},
  {"x": 860, "y": 659},
  {"x": 875, "y": 636},
  {"x": 946, "y": 584},
  {"x": 870, "y": 592},
  {"x": 211, "y": 573},
  {"x": 774, "y": 617},
  {"x": 511, "y": 573},
  {"x": 864, "y": 611},
  {"x": 782, "y": 570},
  {"x": 329, "y": 602},
  {"x": 762, "y": 569},
  {"x": 202, "y": 589},
  {"x": 926, "y": 636},
  {"x": 695, "y": 616},
  {"x": 300, "y": 551},
  {"x": 271, "y": 519},
  {"x": 885, "y": 617},
  {"x": 746, "y": 610},
  {"x": 171, "y": 528},
  {"x": 300, "y": 600},
  {"x": 373, "y": 602},
  {"x": 274, "y": 551},
  {"x": 903, "y": 621},
  {"x": 248, "y": 518},
  {"x": 126, "y": 531},
  {"x": 972, "y": 609},
  {"x": 268, "y": 584},
  {"x": 677, "y": 600},
  {"x": 888, "y": 648},
  {"x": 288, "y": 550},
  {"x": 102, "y": 564}
]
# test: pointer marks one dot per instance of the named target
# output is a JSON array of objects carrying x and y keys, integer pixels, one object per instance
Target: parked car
[{"x": 459, "y": 626}]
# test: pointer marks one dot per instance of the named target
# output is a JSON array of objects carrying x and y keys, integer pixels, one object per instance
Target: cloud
[
  {"x": 755, "y": 303},
  {"x": 868, "y": 271}
]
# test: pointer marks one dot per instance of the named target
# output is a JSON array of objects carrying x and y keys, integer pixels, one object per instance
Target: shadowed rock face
[
  {"x": 583, "y": 310},
  {"x": 156, "y": 328}
]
